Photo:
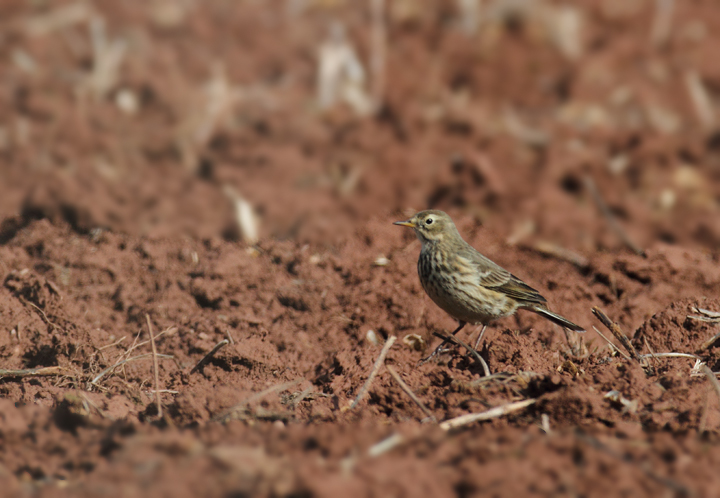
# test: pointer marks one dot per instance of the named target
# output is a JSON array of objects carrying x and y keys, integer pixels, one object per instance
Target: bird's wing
[{"x": 494, "y": 277}]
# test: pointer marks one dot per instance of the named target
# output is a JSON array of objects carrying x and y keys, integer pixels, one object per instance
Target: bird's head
[{"x": 431, "y": 226}]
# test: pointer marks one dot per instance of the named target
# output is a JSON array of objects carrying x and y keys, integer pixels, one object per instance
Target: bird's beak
[{"x": 409, "y": 223}]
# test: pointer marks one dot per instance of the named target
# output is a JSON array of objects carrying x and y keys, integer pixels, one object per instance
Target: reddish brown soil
[{"x": 107, "y": 216}]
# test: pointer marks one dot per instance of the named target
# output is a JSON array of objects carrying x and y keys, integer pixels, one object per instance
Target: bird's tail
[{"x": 555, "y": 318}]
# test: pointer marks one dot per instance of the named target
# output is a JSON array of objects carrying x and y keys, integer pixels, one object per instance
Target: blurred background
[{"x": 302, "y": 119}]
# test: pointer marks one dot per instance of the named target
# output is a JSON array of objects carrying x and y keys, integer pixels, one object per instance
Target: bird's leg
[
  {"x": 442, "y": 344},
  {"x": 479, "y": 337}
]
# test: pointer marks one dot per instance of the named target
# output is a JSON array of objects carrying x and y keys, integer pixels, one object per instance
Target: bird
[{"x": 465, "y": 284}]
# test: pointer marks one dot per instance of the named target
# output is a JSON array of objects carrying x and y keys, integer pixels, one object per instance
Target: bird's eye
[{"x": 429, "y": 221}]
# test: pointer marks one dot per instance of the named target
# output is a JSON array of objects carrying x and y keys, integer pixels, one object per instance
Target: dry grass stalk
[
  {"x": 669, "y": 355},
  {"x": 113, "y": 344},
  {"x": 522, "y": 377},
  {"x": 156, "y": 370},
  {"x": 545, "y": 423},
  {"x": 704, "y": 318},
  {"x": 341, "y": 76},
  {"x": 376, "y": 367},
  {"x": 612, "y": 345},
  {"x": 209, "y": 355},
  {"x": 135, "y": 344},
  {"x": 385, "y": 445},
  {"x": 612, "y": 221},
  {"x": 702, "y": 102},
  {"x": 212, "y": 107},
  {"x": 33, "y": 372},
  {"x": 47, "y": 320},
  {"x": 708, "y": 313},
  {"x": 652, "y": 353},
  {"x": 244, "y": 216},
  {"x": 456, "y": 340},
  {"x": 618, "y": 333},
  {"x": 705, "y": 315},
  {"x": 410, "y": 393},
  {"x": 232, "y": 412},
  {"x": 709, "y": 317},
  {"x": 709, "y": 343},
  {"x": 107, "y": 59},
  {"x": 120, "y": 363},
  {"x": 496, "y": 412},
  {"x": 565, "y": 24}
]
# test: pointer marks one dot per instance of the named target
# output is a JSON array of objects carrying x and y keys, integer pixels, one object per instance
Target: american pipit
[{"x": 466, "y": 284}]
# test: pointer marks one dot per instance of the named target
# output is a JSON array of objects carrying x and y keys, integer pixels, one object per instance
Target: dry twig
[
  {"x": 618, "y": 333},
  {"x": 612, "y": 221},
  {"x": 376, "y": 367},
  {"x": 409, "y": 392},
  {"x": 496, "y": 412},
  {"x": 210, "y": 354}
]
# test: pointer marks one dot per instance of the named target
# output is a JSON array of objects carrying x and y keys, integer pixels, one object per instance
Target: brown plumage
[{"x": 466, "y": 284}]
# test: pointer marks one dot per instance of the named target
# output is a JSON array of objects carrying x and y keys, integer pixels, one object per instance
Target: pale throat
[{"x": 428, "y": 242}]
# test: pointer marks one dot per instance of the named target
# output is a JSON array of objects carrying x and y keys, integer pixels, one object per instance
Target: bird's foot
[{"x": 438, "y": 350}]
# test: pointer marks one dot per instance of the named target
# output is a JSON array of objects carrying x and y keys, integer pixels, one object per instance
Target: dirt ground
[{"x": 142, "y": 143}]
